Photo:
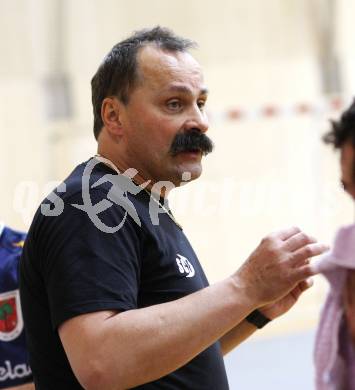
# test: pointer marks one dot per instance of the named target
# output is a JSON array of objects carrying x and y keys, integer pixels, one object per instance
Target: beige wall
[{"x": 264, "y": 174}]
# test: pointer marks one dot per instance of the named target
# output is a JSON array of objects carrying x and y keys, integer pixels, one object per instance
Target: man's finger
[
  {"x": 303, "y": 273},
  {"x": 305, "y": 284},
  {"x": 302, "y": 256},
  {"x": 298, "y": 241},
  {"x": 285, "y": 234},
  {"x": 301, "y": 287}
]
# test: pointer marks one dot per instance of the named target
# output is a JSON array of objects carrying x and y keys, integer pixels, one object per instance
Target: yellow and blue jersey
[{"x": 14, "y": 367}]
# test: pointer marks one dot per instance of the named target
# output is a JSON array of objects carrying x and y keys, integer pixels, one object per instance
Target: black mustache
[{"x": 190, "y": 141}]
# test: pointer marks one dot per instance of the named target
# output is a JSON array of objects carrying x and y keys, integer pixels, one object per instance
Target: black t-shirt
[{"x": 71, "y": 265}]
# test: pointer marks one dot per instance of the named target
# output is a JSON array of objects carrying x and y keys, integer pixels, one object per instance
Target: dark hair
[
  {"x": 117, "y": 74},
  {"x": 342, "y": 130}
]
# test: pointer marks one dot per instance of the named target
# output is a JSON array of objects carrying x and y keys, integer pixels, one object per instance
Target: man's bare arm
[{"x": 123, "y": 350}]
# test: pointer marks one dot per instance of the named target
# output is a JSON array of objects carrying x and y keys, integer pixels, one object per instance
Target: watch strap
[{"x": 258, "y": 319}]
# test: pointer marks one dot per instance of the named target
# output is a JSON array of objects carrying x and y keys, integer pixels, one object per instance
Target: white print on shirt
[
  {"x": 11, "y": 322},
  {"x": 19, "y": 371},
  {"x": 185, "y": 267}
]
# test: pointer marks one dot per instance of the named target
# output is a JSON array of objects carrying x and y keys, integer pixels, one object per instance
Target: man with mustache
[{"x": 131, "y": 307}]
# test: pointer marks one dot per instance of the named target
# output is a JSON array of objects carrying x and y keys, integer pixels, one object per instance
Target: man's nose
[{"x": 197, "y": 120}]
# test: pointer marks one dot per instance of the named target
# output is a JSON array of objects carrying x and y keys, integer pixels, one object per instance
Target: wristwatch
[{"x": 258, "y": 319}]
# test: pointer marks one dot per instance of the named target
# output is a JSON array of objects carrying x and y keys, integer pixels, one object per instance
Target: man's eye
[
  {"x": 174, "y": 105},
  {"x": 201, "y": 104}
]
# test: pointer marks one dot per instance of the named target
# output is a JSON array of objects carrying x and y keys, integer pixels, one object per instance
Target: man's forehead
[
  {"x": 184, "y": 88},
  {"x": 157, "y": 64}
]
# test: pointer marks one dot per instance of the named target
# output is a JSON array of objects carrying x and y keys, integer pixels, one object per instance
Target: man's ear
[{"x": 111, "y": 111}]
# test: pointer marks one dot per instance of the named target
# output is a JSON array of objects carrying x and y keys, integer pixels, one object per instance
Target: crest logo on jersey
[
  {"x": 11, "y": 322},
  {"x": 185, "y": 267}
]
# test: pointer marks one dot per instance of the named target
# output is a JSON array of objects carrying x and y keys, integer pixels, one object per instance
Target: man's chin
[{"x": 189, "y": 172}]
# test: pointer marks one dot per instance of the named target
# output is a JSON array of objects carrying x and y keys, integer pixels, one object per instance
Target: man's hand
[
  {"x": 349, "y": 303},
  {"x": 283, "y": 305},
  {"x": 277, "y": 266}
]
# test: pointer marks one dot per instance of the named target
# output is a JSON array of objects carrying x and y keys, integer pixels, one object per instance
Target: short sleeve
[{"x": 85, "y": 269}]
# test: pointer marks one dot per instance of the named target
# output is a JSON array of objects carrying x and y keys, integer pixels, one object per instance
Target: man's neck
[{"x": 139, "y": 179}]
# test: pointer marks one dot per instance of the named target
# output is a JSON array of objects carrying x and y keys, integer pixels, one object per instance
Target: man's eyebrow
[{"x": 184, "y": 89}]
